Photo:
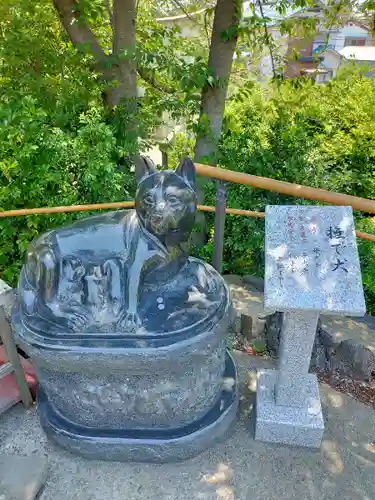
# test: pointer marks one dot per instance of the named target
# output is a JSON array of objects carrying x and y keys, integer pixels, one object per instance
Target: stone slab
[
  {"x": 286, "y": 424},
  {"x": 290, "y": 389},
  {"x": 312, "y": 260},
  {"x": 21, "y": 477},
  {"x": 297, "y": 339}
]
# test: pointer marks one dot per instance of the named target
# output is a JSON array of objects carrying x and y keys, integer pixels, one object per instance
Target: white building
[
  {"x": 313, "y": 53},
  {"x": 335, "y": 59}
]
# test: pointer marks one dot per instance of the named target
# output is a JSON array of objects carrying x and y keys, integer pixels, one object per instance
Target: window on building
[
  {"x": 323, "y": 77},
  {"x": 350, "y": 41}
]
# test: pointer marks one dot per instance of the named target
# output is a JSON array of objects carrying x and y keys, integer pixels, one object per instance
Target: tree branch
[
  {"x": 110, "y": 15},
  {"x": 187, "y": 14},
  {"x": 124, "y": 48},
  {"x": 223, "y": 44},
  {"x": 149, "y": 77},
  {"x": 268, "y": 39},
  {"x": 79, "y": 33}
]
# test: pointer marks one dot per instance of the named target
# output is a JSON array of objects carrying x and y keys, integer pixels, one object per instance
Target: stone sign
[
  {"x": 312, "y": 266},
  {"x": 312, "y": 260}
]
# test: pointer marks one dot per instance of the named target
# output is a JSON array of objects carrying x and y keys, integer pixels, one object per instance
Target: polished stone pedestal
[
  {"x": 146, "y": 445},
  {"x": 154, "y": 399}
]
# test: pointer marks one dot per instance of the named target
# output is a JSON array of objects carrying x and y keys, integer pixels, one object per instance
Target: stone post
[{"x": 296, "y": 344}]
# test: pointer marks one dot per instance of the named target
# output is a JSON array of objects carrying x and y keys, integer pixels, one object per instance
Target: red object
[
  {"x": 9, "y": 392},
  {"x": 249, "y": 350}
]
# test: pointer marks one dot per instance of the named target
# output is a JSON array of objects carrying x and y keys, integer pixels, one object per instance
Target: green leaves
[
  {"x": 45, "y": 165},
  {"x": 316, "y": 135},
  {"x": 230, "y": 33}
]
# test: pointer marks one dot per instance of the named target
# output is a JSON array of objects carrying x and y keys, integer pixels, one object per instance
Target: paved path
[{"x": 239, "y": 469}]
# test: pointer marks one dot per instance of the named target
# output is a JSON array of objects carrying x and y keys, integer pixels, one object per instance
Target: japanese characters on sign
[
  {"x": 299, "y": 230},
  {"x": 337, "y": 241},
  {"x": 312, "y": 259}
]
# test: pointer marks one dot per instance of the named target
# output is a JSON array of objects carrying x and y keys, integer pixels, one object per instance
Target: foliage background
[
  {"x": 59, "y": 143},
  {"x": 317, "y": 135}
]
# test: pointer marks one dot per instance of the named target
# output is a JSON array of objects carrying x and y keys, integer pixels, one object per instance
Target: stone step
[{"x": 248, "y": 315}]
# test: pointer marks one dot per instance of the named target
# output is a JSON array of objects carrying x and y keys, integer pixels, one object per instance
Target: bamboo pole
[
  {"x": 232, "y": 211},
  {"x": 287, "y": 188},
  {"x": 70, "y": 208},
  {"x": 106, "y": 206},
  {"x": 365, "y": 236},
  {"x": 130, "y": 204}
]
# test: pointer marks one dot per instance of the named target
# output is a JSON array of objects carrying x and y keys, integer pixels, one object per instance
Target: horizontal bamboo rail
[
  {"x": 69, "y": 208},
  {"x": 106, "y": 206},
  {"x": 221, "y": 174},
  {"x": 365, "y": 236},
  {"x": 130, "y": 204},
  {"x": 233, "y": 211},
  {"x": 287, "y": 188}
]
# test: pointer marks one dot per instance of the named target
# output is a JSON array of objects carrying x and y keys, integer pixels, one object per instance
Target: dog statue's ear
[
  {"x": 186, "y": 170},
  {"x": 144, "y": 167}
]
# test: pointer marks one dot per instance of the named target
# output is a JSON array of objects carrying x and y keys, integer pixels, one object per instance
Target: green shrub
[
  {"x": 45, "y": 165},
  {"x": 58, "y": 144},
  {"x": 181, "y": 146},
  {"x": 367, "y": 256},
  {"x": 321, "y": 136}
]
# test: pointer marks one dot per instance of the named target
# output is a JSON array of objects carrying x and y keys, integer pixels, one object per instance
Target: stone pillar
[{"x": 296, "y": 344}]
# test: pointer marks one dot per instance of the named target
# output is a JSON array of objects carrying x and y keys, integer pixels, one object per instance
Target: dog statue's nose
[{"x": 160, "y": 206}]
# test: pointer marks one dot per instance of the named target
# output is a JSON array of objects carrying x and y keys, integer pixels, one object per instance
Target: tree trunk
[
  {"x": 222, "y": 47},
  {"x": 122, "y": 73},
  {"x": 123, "y": 46},
  {"x": 223, "y": 44}
]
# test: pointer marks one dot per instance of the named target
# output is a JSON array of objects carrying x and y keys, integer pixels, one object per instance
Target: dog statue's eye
[
  {"x": 149, "y": 199},
  {"x": 172, "y": 199}
]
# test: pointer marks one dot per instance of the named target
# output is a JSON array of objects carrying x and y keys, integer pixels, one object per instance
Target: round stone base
[{"x": 146, "y": 445}]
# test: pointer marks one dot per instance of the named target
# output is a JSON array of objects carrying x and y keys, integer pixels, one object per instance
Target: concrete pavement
[{"x": 238, "y": 469}]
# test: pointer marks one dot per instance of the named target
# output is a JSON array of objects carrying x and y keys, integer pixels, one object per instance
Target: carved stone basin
[{"x": 127, "y": 333}]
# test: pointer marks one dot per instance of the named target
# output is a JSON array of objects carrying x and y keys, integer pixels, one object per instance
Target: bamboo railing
[
  {"x": 287, "y": 188},
  {"x": 300, "y": 191}
]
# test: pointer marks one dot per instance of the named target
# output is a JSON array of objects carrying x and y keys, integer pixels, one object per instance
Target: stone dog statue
[{"x": 124, "y": 271}]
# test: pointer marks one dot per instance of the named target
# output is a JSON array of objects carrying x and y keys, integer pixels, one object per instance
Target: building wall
[
  {"x": 295, "y": 66},
  {"x": 337, "y": 38},
  {"x": 336, "y": 41},
  {"x": 190, "y": 28},
  {"x": 331, "y": 61}
]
